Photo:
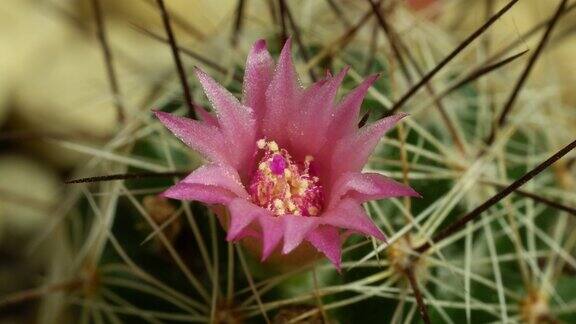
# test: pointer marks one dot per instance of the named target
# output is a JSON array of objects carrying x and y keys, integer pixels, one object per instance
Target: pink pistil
[{"x": 278, "y": 164}]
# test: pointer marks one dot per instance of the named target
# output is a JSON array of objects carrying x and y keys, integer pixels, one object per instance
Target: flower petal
[
  {"x": 242, "y": 213},
  {"x": 352, "y": 152},
  {"x": 326, "y": 239},
  {"x": 363, "y": 187},
  {"x": 349, "y": 214},
  {"x": 258, "y": 73},
  {"x": 217, "y": 175},
  {"x": 236, "y": 120},
  {"x": 296, "y": 228},
  {"x": 199, "y": 192},
  {"x": 272, "y": 233},
  {"x": 205, "y": 116},
  {"x": 322, "y": 93},
  {"x": 345, "y": 121},
  {"x": 281, "y": 97},
  {"x": 205, "y": 139},
  {"x": 314, "y": 114}
]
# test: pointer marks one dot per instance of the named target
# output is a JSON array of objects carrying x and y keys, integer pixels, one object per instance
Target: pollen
[
  {"x": 261, "y": 143},
  {"x": 313, "y": 210},
  {"x": 279, "y": 206},
  {"x": 283, "y": 185},
  {"x": 272, "y": 146}
]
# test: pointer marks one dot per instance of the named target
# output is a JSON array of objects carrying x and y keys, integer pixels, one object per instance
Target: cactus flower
[{"x": 286, "y": 161}]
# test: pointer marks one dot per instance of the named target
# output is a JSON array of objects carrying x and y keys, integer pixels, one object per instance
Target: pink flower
[{"x": 286, "y": 161}]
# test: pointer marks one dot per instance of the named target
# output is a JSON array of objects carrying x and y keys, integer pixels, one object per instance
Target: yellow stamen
[
  {"x": 261, "y": 143},
  {"x": 273, "y": 146},
  {"x": 313, "y": 211},
  {"x": 291, "y": 206},
  {"x": 278, "y": 203}
]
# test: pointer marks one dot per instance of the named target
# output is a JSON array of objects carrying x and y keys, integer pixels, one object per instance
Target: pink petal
[
  {"x": 352, "y": 152},
  {"x": 349, "y": 214},
  {"x": 345, "y": 121},
  {"x": 335, "y": 83},
  {"x": 363, "y": 187},
  {"x": 217, "y": 175},
  {"x": 205, "y": 116},
  {"x": 247, "y": 232},
  {"x": 272, "y": 233},
  {"x": 198, "y": 192},
  {"x": 242, "y": 213},
  {"x": 205, "y": 139},
  {"x": 296, "y": 229},
  {"x": 236, "y": 120},
  {"x": 314, "y": 88},
  {"x": 314, "y": 114},
  {"x": 281, "y": 97},
  {"x": 326, "y": 239},
  {"x": 258, "y": 73},
  {"x": 323, "y": 92}
]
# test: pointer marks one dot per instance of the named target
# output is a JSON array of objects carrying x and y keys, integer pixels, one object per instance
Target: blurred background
[{"x": 60, "y": 118}]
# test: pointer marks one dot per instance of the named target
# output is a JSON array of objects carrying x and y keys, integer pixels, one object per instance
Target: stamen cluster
[{"x": 283, "y": 186}]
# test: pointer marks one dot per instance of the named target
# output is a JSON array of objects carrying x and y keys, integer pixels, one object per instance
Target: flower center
[{"x": 284, "y": 186}]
